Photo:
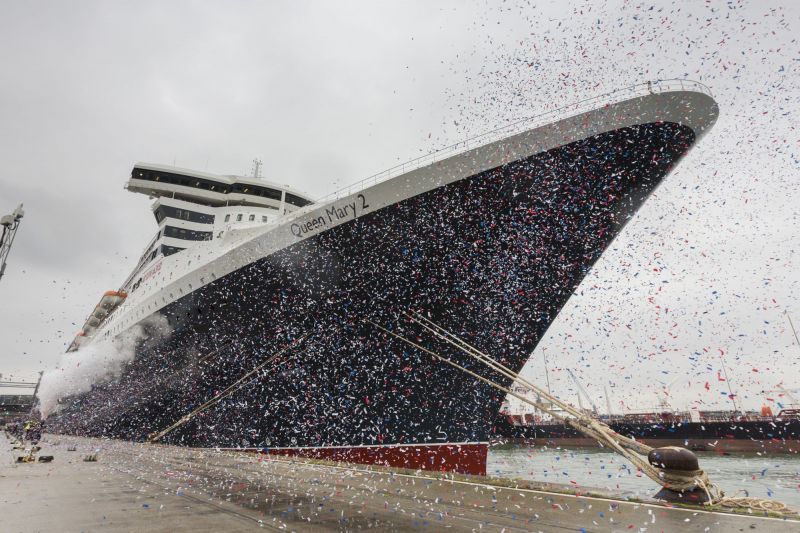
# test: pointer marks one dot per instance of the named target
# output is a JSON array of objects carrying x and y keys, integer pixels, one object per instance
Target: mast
[{"x": 257, "y": 168}]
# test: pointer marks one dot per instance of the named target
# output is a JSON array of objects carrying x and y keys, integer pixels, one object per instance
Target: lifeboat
[
  {"x": 107, "y": 304},
  {"x": 76, "y": 342},
  {"x": 109, "y": 301}
]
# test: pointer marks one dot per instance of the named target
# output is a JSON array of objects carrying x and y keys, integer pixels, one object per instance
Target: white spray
[{"x": 100, "y": 361}]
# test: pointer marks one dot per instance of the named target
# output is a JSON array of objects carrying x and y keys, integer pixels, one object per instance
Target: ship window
[
  {"x": 169, "y": 250},
  {"x": 166, "y": 211},
  {"x": 296, "y": 200},
  {"x": 238, "y": 218},
  {"x": 187, "y": 234},
  {"x": 210, "y": 184},
  {"x": 255, "y": 190},
  {"x": 227, "y": 218},
  {"x": 252, "y": 218},
  {"x": 264, "y": 218}
]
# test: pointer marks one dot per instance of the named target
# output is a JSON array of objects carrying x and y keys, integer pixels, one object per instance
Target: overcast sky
[{"x": 326, "y": 93}]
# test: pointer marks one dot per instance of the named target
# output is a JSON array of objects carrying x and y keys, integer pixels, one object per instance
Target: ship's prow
[{"x": 489, "y": 238}]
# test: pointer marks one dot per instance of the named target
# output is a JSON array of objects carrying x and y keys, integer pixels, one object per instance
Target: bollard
[{"x": 677, "y": 461}]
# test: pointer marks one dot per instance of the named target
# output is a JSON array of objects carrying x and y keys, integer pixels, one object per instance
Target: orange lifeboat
[{"x": 107, "y": 304}]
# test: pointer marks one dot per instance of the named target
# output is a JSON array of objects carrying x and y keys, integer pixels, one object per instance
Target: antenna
[
  {"x": 257, "y": 168},
  {"x": 10, "y": 224}
]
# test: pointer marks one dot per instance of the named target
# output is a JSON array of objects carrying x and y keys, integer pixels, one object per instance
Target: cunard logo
[{"x": 152, "y": 272}]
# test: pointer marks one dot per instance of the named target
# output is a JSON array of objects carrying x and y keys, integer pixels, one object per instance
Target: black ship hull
[{"x": 492, "y": 257}]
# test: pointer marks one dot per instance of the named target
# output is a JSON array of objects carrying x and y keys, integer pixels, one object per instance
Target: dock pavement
[{"x": 143, "y": 487}]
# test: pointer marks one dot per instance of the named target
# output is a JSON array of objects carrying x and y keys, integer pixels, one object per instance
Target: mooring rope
[
  {"x": 675, "y": 480},
  {"x": 175, "y": 375},
  {"x": 155, "y": 437},
  {"x": 584, "y": 426},
  {"x": 579, "y": 415}
]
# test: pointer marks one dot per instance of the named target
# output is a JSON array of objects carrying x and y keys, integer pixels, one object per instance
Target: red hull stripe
[{"x": 467, "y": 458}]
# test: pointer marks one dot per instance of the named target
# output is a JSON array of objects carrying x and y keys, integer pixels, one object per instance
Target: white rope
[
  {"x": 155, "y": 437},
  {"x": 676, "y": 480},
  {"x": 585, "y": 426},
  {"x": 581, "y": 418}
]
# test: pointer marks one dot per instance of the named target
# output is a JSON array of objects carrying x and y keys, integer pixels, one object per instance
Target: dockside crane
[
  {"x": 10, "y": 224},
  {"x": 608, "y": 401},
  {"x": 795, "y": 404},
  {"x": 582, "y": 391},
  {"x": 791, "y": 407}
]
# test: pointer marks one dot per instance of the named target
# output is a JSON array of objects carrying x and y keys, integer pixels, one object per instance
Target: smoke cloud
[{"x": 98, "y": 362}]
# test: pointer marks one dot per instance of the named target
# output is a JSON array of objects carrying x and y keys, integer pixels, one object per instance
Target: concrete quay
[{"x": 141, "y": 487}]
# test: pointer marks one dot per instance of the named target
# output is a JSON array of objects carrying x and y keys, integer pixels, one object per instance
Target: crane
[
  {"x": 792, "y": 409},
  {"x": 665, "y": 392},
  {"x": 10, "y": 224},
  {"x": 793, "y": 330},
  {"x": 789, "y": 394},
  {"x": 608, "y": 401},
  {"x": 581, "y": 390},
  {"x": 792, "y": 402}
]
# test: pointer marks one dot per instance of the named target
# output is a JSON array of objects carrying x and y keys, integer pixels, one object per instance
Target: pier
[{"x": 133, "y": 487}]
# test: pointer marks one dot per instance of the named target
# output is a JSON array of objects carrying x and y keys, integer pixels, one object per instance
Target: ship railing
[{"x": 576, "y": 108}]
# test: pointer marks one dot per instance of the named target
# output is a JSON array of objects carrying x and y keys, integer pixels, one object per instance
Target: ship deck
[{"x": 134, "y": 487}]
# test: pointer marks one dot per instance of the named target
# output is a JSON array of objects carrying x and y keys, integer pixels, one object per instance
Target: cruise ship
[{"x": 263, "y": 314}]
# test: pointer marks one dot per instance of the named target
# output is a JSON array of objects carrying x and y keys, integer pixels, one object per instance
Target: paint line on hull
[{"x": 459, "y": 458}]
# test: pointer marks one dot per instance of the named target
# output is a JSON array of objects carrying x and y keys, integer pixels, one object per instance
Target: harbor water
[{"x": 772, "y": 476}]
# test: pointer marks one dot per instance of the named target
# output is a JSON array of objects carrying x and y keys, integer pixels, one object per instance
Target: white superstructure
[{"x": 192, "y": 209}]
